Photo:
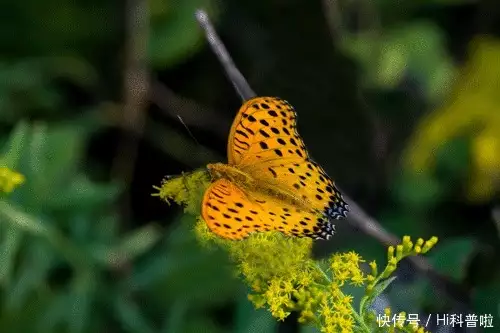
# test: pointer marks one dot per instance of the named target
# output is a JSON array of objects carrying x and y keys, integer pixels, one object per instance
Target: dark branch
[{"x": 238, "y": 80}]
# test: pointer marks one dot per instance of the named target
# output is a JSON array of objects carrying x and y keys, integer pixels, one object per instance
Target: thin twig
[
  {"x": 357, "y": 217},
  {"x": 240, "y": 84}
]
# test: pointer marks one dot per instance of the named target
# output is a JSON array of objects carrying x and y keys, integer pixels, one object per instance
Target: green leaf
[
  {"x": 419, "y": 49},
  {"x": 202, "y": 324},
  {"x": 367, "y": 301},
  {"x": 362, "y": 48},
  {"x": 139, "y": 241},
  {"x": 18, "y": 219},
  {"x": 149, "y": 272},
  {"x": 32, "y": 272},
  {"x": 249, "y": 319},
  {"x": 451, "y": 257},
  {"x": 392, "y": 64},
  {"x": 63, "y": 151},
  {"x": 486, "y": 300},
  {"x": 130, "y": 316},
  {"x": 81, "y": 193},
  {"x": 80, "y": 301},
  {"x": 26, "y": 222},
  {"x": 419, "y": 191},
  {"x": 54, "y": 313},
  {"x": 453, "y": 160},
  {"x": 10, "y": 243},
  {"x": 131, "y": 246},
  {"x": 176, "y": 318},
  {"x": 14, "y": 146}
]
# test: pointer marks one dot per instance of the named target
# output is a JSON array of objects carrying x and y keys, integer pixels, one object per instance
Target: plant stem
[{"x": 354, "y": 313}]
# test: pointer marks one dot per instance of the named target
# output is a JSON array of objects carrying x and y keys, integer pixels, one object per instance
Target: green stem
[{"x": 355, "y": 314}]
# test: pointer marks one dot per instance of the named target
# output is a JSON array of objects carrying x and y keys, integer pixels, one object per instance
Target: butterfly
[{"x": 270, "y": 183}]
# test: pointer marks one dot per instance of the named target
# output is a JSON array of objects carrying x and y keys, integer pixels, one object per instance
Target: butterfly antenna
[
  {"x": 237, "y": 79},
  {"x": 187, "y": 129}
]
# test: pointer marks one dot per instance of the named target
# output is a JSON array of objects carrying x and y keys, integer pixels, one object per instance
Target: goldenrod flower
[{"x": 284, "y": 277}]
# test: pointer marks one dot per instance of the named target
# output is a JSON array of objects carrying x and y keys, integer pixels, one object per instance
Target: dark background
[{"x": 398, "y": 100}]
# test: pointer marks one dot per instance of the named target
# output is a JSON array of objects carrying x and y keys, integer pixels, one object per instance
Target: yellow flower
[
  {"x": 347, "y": 299},
  {"x": 9, "y": 180},
  {"x": 342, "y": 309},
  {"x": 186, "y": 189},
  {"x": 353, "y": 258},
  {"x": 357, "y": 280}
]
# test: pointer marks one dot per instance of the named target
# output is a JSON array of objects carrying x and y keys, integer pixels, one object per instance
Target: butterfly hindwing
[{"x": 232, "y": 213}]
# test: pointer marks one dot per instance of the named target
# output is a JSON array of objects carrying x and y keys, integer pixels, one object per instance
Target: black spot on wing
[
  {"x": 273, "y": 172},
  {"x": 264, "y": 133}
]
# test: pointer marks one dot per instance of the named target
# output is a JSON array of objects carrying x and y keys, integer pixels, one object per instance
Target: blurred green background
[{"x": 398, "y": 100}]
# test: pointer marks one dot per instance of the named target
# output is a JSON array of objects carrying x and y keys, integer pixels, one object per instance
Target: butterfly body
[
  {"x": 252, "y": 184},
  {"x": 270, "y": 182},
  {"x": 232, "y": 173}
]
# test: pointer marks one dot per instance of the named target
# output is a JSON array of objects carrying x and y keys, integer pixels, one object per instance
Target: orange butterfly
[{"x": 270, "y": 183}]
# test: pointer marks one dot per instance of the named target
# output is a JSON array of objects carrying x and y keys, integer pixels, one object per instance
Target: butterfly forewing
[{"x": 264, "y": 142}]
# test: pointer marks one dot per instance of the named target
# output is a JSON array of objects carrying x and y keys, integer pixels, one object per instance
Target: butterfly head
[{"x": 215, "y": 171}]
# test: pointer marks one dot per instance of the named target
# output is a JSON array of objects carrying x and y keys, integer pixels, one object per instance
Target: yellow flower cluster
[
  {"x": 185, "y": 190},
  {"x": 345, "y": 266},
  {"x": 336, "y": 308},
  {"x": 9, "y": 180},
  {"x": 284, "y": 277},
  {"x": 395, "y": 255},
  {"x": 277, "y": 268}
]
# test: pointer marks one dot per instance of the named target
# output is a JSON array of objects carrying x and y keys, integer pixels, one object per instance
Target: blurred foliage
[
  {"x": 473, "y": 112},
  {"x": 174, "y": 34},
  {"x": 394, "y": 109}
]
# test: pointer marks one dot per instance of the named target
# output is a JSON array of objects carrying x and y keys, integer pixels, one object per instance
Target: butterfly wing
[
  {"x": 264, "y": 142},
  {"x": 232, "y": 213}
]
